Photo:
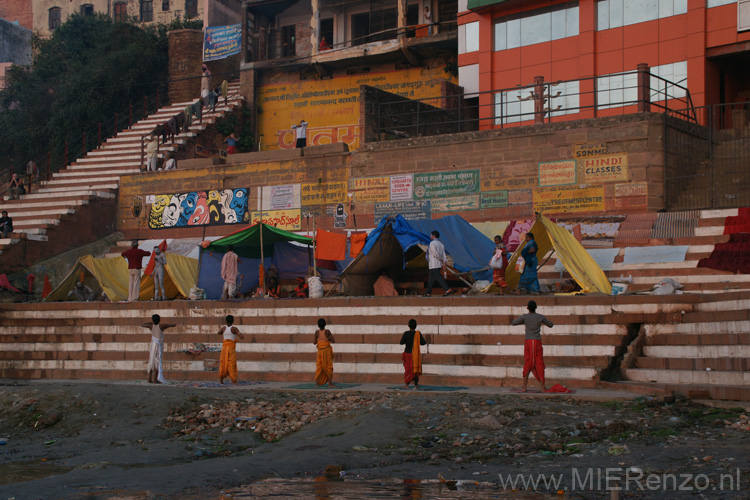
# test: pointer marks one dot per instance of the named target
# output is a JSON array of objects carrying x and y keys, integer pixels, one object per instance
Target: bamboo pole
[{"x": 262, "y": 275}]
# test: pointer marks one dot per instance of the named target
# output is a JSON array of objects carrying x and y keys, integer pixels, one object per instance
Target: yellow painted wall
[{"x": 331, "y": 106}]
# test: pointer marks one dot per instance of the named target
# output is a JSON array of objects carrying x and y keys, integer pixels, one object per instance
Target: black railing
[
  {"x": 539, "y": 102},
  {"x": 56, "y": 159}
]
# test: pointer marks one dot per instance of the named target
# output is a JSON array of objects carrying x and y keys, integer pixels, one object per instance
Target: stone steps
[{"x": 471, "y": 340}]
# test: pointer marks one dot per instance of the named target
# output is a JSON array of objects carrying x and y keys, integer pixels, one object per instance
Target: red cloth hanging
[
  {"x": 4, "y": 283},
  {"x": 357, "y": 243},
  {"x": 330, "y": 246},
  {"x": 151, "y": 264},
  {"x": 739, "y": 223},
  {"x": 30, "y": 278},
  {"x": 47, "y": 289}
]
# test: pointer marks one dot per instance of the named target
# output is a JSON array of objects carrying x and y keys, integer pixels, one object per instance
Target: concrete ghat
[{"x": 106, "y": 341}]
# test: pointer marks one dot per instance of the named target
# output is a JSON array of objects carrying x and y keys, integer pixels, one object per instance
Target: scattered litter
[
  {"x": 52, "y": 441},
  {"x": 667, "y": 286},
  {"x": 618, "y": 449}
]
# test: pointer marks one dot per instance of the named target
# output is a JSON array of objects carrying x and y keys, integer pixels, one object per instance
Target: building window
[
  {"x": 468, "y": 37},
  {"x": 191, "y": 8},
  {"x": 360, "y": 28},
  {"x": 517, "y": 105},
  {"x": 55, "y": 18},
  {"x": 121, "y": 12},
  {"x": 617, "y": 90},
  {"x": 165, "y": 5},
  {"x": 618, "y": 13},
  {"x": 326, "y": 30},
  {"x": 537, "y": 26},
  {"x": 288, "y": 40},
  {"x": 147, "y": 11},
  {"x": 87, "y": 9}
]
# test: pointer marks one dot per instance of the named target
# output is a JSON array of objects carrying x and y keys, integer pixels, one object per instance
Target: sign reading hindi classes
[
  {"x": 402, "y": 187},
  {"x": 410, "y": 210},
  {"x": 446, "y": 184},
  {"x": 557, "y": 173},
  {"x": 324, "y": 193},
  {"x": 370, "y": 189},
  {"x": 288, "y": 220},
  {"x": 605, "y": 168},
  {"x": 568, "y": 199},
  {"x": 221, "y": 41}
]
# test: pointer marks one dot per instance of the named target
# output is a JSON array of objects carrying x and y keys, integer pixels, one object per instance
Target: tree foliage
[{"x": 88, "y": 70}]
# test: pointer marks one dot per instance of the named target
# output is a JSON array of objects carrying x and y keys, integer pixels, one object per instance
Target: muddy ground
[{"x": 90, "y": 440}]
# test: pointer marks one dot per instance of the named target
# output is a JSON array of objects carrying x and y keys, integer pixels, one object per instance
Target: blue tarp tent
[
  {"x": 387, "y": 248},
  {"x": 469, "y": 248}
]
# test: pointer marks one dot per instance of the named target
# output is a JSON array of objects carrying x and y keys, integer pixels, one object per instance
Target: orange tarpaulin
[
  {"x": 5, "y": 283},
  {"x": 47, "y": 289},
  {"x": 357, "y": 243},
  {"x": 330, "y": 246}
]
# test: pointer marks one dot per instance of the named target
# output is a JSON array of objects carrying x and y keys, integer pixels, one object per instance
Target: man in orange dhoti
[
  {"x": 228, "y": 360},
  {"x": 324, "y": 361},
  {"x": 533, "y": 353},
  {"x": 412, "y": 339}
]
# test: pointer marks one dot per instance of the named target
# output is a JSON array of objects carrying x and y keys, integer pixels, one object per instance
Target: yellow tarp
[
  {"x": 111, "y": 277},
  {"x": 181, "y": 274},
  {"x": 577, "y": 261}
]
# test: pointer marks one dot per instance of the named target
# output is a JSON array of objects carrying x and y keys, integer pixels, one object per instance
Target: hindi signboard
[
  {"x": 446, "y": 184},
  {"x": 221, "y": 41},
  {"x": 557, "y": 173},
  {"x": 409, "y": 210},
  {"x": 568, "y": 199}
]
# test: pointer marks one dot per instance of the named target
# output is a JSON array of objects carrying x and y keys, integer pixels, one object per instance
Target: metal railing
[
  {"x": 538, "y": 102},
  {"x": 56, "y": 159}
]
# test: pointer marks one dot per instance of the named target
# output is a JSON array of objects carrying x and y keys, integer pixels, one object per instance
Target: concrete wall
[
  {"x": 504, "y": 164},
  {"x": 15, "y": 44},
  {"x": 185, "y": 57},
  {"x": 17, "y": 10}
]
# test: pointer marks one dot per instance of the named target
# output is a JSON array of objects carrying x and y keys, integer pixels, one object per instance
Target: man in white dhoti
[{"x": 156, "y": 351}]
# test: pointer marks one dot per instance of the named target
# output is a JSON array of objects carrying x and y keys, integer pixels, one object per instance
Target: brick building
[{"x": 700, "y": 46}]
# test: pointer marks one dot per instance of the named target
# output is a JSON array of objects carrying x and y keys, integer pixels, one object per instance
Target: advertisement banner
[
  {"x": 370, "y": 189},
  {"x": 568, "y": 199},
  {"x": 281, "y": 197},
  {"x": 605, "y": 168},
  {"x": 199, "y": 208},
  {"x": 557, "y": 173},
  {"x": 446, "y": 184},
  {"x": 456, "y": 203},
  {"x": 402, "y": 187},
  {"x": 288, "y": 220},
  {"x": 324, "y": 193},
  {"x": 221, "y": 41},
  {"x": 410, "y": 210}
]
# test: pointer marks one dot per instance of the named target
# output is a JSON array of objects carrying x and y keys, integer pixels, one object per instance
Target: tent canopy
[
  {"x": 246, "y": 241},
  {"x": 469, "y": 248},
  {"x": 110, "y": 276},
  {"x": 388, "y": 247},
  {"x": 581, "y": 266}
]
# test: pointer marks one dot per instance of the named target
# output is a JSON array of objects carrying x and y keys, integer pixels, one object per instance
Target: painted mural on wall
[
  {"x": 199, "y": 208},
  {"x": 331, "y": 106}
]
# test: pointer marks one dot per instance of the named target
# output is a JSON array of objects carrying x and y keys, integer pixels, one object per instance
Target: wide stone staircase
[
  {"x": 471, "y": 340},
  {"x": 55, "y": 208}
]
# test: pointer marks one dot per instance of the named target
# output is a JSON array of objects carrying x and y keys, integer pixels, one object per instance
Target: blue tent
[{"x": 469, "y": 248}]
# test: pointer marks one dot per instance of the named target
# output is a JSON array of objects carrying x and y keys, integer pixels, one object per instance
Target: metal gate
[{"x": 707, "y": 161}]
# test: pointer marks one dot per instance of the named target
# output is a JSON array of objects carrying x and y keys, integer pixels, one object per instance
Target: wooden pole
[
  {"x": 315, "y": 262},
  {"x": 263, "y": 281}
]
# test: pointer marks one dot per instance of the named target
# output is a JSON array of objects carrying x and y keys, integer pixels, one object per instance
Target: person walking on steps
[{"x": 436, "y": 260}]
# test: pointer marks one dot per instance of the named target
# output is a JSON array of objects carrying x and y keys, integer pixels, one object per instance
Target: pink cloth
[{"x": 229, "y": 267}]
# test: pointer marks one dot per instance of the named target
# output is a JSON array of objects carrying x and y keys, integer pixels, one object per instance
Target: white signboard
[
  {"x": 281, "y": 197},
  {"x": 402, "y": 187}
]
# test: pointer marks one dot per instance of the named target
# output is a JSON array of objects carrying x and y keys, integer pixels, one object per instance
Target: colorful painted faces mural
[{"x": 199, "y": 208}]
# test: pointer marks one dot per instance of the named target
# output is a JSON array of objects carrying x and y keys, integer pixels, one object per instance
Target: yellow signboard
[
  {"x": 605, "y": 168},
  {"x": 589, "y": 150},
  {"x": 370, "y": 189},
  {"x": 557, "y": 173},
  {"x": 288, "y": 220},
  {"x": 331, "y": 106},
  {"x": 324, "y": 193},
  {"x": 568, "y": 199}
]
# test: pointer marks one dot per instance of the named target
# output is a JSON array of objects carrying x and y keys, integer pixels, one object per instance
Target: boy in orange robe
[
  {"x": 412, "y": 355},
  {"x": 324, "y": 361},
  {"x": 228, "y": 363}
]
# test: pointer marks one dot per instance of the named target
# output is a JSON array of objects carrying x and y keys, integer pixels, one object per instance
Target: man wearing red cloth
[
  {"x": 412, "y": 340},
  {"x": 533, "y": 354},
  {"x": 135, "y": 261}
]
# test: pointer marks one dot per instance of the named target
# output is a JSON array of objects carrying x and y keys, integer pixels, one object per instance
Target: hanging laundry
[
  {"x": 330, "y": 246},
  {"x": 357, "y": 243}
]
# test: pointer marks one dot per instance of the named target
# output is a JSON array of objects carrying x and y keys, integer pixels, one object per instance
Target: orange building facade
[{"x": 700, "y": 45}]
